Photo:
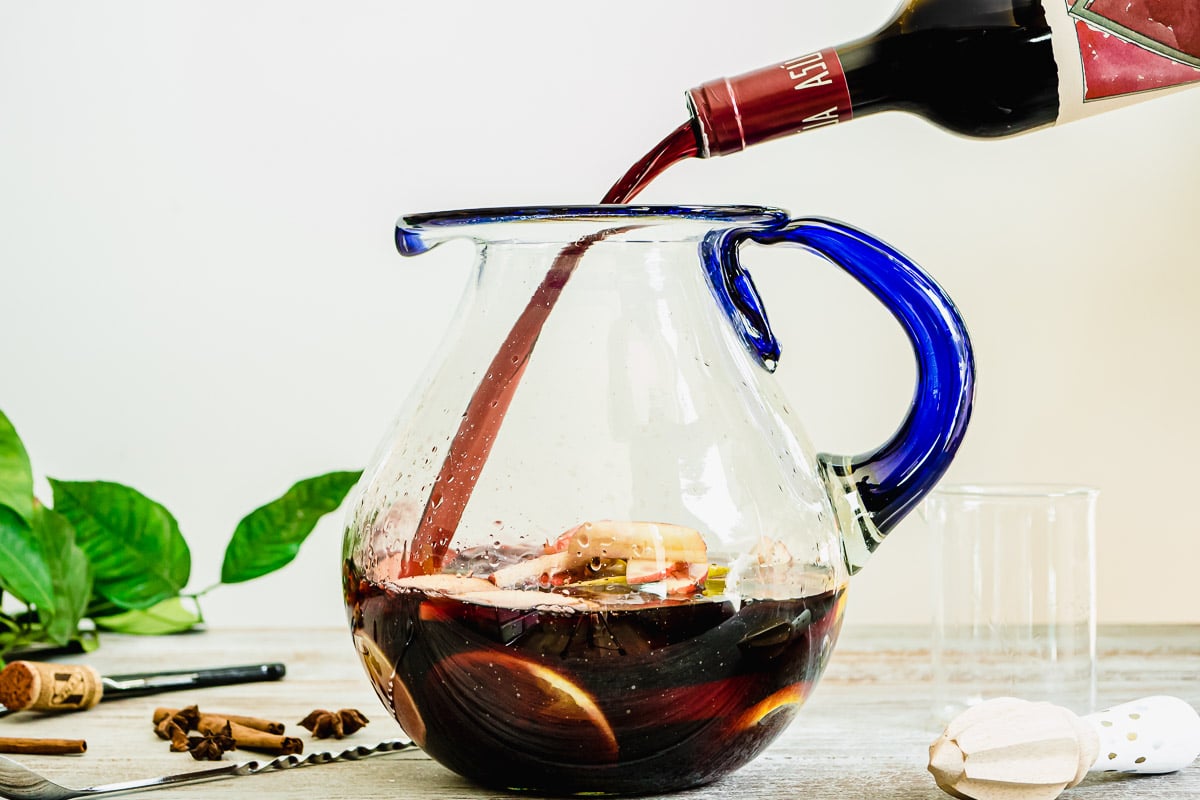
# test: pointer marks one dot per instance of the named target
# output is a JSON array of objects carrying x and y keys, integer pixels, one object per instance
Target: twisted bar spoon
[{"x": 21, "y": 783}]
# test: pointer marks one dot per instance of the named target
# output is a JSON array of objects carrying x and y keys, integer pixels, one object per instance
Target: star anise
[
  {"x": 210, "y": 746},
  {"x": 324, "y": 724}
]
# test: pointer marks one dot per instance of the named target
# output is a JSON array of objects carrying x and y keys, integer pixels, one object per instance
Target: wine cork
[{"x": 35, "y": 686}]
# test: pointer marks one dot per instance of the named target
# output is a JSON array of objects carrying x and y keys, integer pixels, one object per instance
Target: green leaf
[
  {"x": 169, "y": 616},
  {"x": 138, "y": 556},
  {"x": 16, "y": 477},
  {"x": 269, "y": 537},
  {"x": 23, "y": 568},
  {"x": 70, "y": 575}
]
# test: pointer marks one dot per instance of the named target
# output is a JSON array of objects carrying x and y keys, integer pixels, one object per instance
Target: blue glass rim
[
  {"x": 474, "y": 216},
  {"x": 410, "y": 228}
]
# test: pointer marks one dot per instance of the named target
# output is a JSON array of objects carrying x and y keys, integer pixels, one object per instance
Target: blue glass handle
[{"x": 886, "y": 483}]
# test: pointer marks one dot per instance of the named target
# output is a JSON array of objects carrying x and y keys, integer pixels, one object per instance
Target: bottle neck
[
  {"x": 802, "y": 94},
  {"x": 815, "y": 90}
]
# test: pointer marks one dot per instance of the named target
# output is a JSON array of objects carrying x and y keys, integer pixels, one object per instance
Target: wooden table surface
[{"x": 864, "y": 732}]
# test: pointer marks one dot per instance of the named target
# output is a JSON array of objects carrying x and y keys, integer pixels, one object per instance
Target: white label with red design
[{"x": 1117, "y": 52}]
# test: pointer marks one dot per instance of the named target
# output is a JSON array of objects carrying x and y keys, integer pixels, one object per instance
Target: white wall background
[{"x": 199, "y": 295}]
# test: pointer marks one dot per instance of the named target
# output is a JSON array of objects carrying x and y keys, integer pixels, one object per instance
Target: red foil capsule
[{"x": 799, "y": 94}]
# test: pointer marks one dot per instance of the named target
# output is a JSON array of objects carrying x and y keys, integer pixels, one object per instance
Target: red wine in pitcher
[
  {"x": 979, "y": 68},
  {"x": 560, "y": 694}
]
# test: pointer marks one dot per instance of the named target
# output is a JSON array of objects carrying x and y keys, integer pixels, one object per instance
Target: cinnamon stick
[
  {"x": 266, "y": 725},
  {"x": 42, "y": 747},
  {"x": 248, "y": 738}
]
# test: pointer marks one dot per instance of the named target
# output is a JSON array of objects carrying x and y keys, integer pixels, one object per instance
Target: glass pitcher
[{"x": 597, "y": 554}]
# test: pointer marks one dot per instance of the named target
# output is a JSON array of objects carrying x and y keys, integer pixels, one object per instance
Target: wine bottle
[{"x": 980, "y": 68}]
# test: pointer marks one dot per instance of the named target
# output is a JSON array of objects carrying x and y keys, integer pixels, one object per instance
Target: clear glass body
[
  {"x": 597, "y": 553},
  {"x": 637, "y": 403}
]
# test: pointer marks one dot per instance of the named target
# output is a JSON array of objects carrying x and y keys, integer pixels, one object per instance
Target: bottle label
[
  {"x": 820, "y": 79},
  {"x": 734, "y": 113},
  {"x": 1114, "y": 52}
]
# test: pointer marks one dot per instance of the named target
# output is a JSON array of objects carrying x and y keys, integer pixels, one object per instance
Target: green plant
[{"x": 107, "y": 553}]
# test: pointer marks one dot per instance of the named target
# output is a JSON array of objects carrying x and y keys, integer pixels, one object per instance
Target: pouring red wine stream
[{"x": 472, "y": 442}]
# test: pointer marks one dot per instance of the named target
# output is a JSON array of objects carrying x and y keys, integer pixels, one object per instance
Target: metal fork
[{"x": 18, "y": 782}]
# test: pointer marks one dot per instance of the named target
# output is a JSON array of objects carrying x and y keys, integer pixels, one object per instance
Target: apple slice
[
  {"x": 444, "y": 583},
  {"x": 523, "y": 599},
  {"x": 540, "y": 572},
  {"x": 652, "y": 552},
  {"x": 679, "y": 578},
  {"x": 609, "y": 539}
]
